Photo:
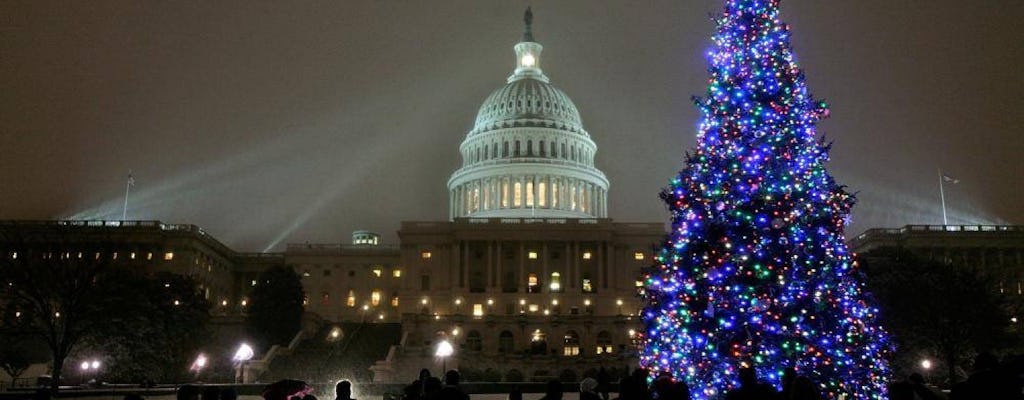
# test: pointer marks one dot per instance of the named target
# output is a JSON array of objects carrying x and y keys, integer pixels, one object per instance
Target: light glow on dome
[{"x": 528, "y": 60}]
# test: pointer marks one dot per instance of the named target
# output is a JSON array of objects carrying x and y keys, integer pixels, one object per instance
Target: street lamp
[
  {"x": 199, "y": 364},
  {"x": 926, "y": 365},
  {"x": 444, "y": 350},
  {"x": 243, "y": 354},
  {"x": 87, "y": 366}
]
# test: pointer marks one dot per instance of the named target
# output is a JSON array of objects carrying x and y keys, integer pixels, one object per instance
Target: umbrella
[{"x": 286, "y": 388}]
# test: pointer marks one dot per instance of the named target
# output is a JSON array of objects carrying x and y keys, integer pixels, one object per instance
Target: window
[
  {"x": 327, "y": 272},
  {"x": 506, "y": 344},
  {"x": 542, "y": 194},
  {"x": 604, "y": 343},
  {"x": 131, "y": 255},
  {"x": 149, "y": 256},
  {"x": 394, "y": 299},
  {"x": 639, "y": 256},
  {"x": 532, "y": 255},
  {"x": 556, "y": 282},
  {"x": 351, "y": 301},
  {"x": 168, "y": 256},
  {"x": 588, "y": 286},
  {"x": 571, "y": 344},
  {"x": 306, "y": 274},
  {"x": 351, "y": 273},
  {"x": 474, "y": 342},
  {"x": 478, "y": 310},
  {"x": 504, "y": 193},
  {"x": 531, "y": 283},
  {"x": 529, "y": 194},
  {"x": 425, "y": 282},
  {"x": 517, "y": 195},
  {"x": 396, "y": 273},
  {"x": 425, "y": 254},
  {"x": 325, "y": 298},
  {"x": 587, "y": 255},
  {"x": 375, "y": 298},
  {"x": 377, "y": 272}
]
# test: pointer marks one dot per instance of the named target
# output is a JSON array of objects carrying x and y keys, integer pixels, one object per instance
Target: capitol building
[{"x": 529, "y": 279}]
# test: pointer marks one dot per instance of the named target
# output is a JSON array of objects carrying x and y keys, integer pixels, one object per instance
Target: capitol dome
[
  {"x": 527, "y": 102},
  {"x": 528, "y": 155}
]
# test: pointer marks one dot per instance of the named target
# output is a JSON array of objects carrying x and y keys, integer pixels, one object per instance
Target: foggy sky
[{"x": 268, "y": 122}]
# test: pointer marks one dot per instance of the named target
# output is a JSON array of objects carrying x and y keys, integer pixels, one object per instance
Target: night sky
[{"x": 275, "y": 122}]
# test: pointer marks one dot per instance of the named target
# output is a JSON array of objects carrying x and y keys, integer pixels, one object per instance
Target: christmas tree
[{"x": 755, "y": 272}]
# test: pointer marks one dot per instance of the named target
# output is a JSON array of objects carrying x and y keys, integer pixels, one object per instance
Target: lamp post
[
  {"x": 199, "y": 364},
  {"x": 87, "y": 366},
  {"x": 243, "y": 354},
  {"x": 926, "y": 365},
  {"x": 444, "y": 350}
]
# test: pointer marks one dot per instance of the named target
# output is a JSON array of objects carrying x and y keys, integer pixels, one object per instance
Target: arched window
[
  {"x": 538, "y": 342},
  {"x": 554, "y": 194},
  {"x": 494, "y": 152},
  {"x": 529, "y": 148},
  {"x": 540, "y": 144},
  {"x": 506, "y": 343},
  {"x": 504, "y": 192},
  {"x": 504, "y": 149},
  {"x": 564, "y": 155},
  {"x": 554, "y": 150},
  {"x": 517, "y": 195},
  {"x": 571, "y": 344},
  {"x": 604, "y": 343},
  {"x": 556, "y": 282},
  {"x": 529, "y": 194},
  {"x": 518, "y": 149},
  {"x": 542, "y": 198},
  {"x": 474, "y": 341}
]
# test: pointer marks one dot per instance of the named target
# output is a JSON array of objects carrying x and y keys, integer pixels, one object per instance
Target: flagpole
[
  {"x": 127, "y": 188},
  {"x": 942, "y": 197}
]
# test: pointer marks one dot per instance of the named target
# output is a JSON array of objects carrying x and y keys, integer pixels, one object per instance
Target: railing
[
  {"x": 339, "y": 247},
  {"x": 939, "y": 228}
]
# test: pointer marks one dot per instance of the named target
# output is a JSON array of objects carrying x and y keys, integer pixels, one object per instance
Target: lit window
[
  {"x": 351, "y": 301},
  {"x": 531, "y": 283},
  {"x": 14, "y": 255},
  {"x": 394, "y": 301},
  {"x": 424, "y": 301},
  {"x": 375, "y": 298},
  {"x": 306, "y": 273},
  {"x": 534, "y": 308},
  {"x": 517, "y": 195},
  {"x": 425, "y": 254},
  {"x": 245, "y": 302},
  {"x": 377, "y": 272},
  {"x": 396, "y": 273},
  {"x": 588, "y": 287},
  {"x": 253, "y": 283},
  {"x": 149, "y": 256},
  {"x": 478, "y": 310},
  {"x": 168, "y": 256},
  {"x": 223, "y": 303},
  {"x": 325, "y": 298},
  {"x": 638, "y": 283},
  {"x": 532, "y": 255},
  {"x": 556, "y": 282},
  {"x": 586, "y": 255},
  {"x": 131, "y": 255},
  {"x": 639, "y": 256},
  {"x": 571, "y": 344}
]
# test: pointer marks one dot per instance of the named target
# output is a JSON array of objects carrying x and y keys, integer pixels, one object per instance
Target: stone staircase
[{"x": 322, "y": 359}]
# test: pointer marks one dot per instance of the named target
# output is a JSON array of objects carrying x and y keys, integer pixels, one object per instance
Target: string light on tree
[{"x": 755, "y": 271}]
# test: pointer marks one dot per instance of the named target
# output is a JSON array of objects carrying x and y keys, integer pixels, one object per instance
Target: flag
[{"x": 947, "y": 178}]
